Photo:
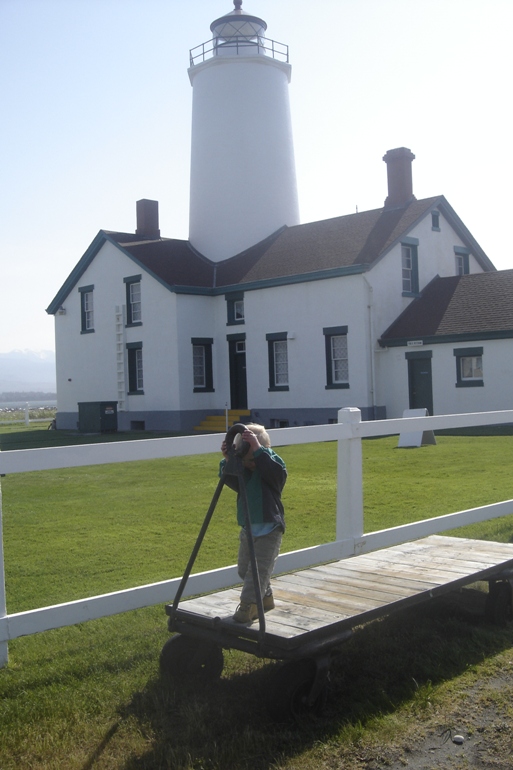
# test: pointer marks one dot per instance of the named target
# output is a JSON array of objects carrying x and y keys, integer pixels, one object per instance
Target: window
[
  {"x": 235, "y": 309},
  {"x": 435, "y": 220},
  {"x": 238, "y": 310},
  {"x": 469, "y": 367},
  {"x": 340, "y": 370},
  {"x": 133, "y": 300},
  {"x": 407, "y": 263},
  {"x": 198, "y": 365},
  {"x": 462, "y": 260},
  {"x": 281, "y": 364},
  {"x": 202, "y": 365},
  {"x": 410, "y": 268},
  {"x": 337, "y": 361},
  {"x": 278, "y": 361},
  {"x": 86, "y": 309},
  {"x": 135, "y": 368}
]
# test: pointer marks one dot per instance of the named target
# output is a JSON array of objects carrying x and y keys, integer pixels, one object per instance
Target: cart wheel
[
  {"x": 288, "y": 699},
  {"x": 499, "y": 608},
  {"x": 184, "y": 659}
]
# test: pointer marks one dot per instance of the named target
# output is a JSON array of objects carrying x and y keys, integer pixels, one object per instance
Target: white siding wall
[
  {"x": 86, "y": 363},
  {"x": 436, "y": 251},
  {"x": 496, "y": 393},
  {"x": 303, "y": 310},
  {"x": 435, "y": 257},
  {"x": 197, "y": 317},
  {"x": 392, "y": 376}
]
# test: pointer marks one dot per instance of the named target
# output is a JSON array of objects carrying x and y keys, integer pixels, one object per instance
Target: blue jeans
[{"x": 267, "y": 548}]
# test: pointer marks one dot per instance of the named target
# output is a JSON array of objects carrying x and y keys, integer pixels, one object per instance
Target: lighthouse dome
[{"x": 237, "y": 24}]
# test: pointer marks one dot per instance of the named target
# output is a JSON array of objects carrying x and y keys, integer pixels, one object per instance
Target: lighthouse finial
[{"x": 237, "y": 4}]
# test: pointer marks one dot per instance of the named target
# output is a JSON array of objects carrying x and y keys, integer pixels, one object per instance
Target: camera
[{"x": 235, "y": 444}]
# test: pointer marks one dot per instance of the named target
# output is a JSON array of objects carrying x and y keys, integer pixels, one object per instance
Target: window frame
[
  {"x": 412, "y": 245},
  {"x": 330, "y": 332},
  {"x": 435, "y": 221},
  {"x": 86, "y": 313},
  {"x": 464, "y": 353},
  {"x": 238, "y": 311},
  {"x": 234, "y": 318},
  {"x": 208, "y": 376},
  {"x": 271, "y": 350},
  {"x": 462, "y": 258},
  {"x": 135, "y": 368},
  {"x": 129, "y": 283}
]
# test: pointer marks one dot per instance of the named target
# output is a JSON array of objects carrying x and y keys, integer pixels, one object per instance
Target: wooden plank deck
[{"x": 334, "y": 597}]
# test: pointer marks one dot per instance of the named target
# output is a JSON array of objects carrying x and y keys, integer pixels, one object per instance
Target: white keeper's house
[{"x": 280, "y": 322}]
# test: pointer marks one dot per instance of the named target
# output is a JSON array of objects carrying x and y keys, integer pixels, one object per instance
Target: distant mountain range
[{"x": 27, "y": 370}]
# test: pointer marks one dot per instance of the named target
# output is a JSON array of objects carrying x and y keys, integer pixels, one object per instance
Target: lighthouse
[{"x": 243, "y": 179}]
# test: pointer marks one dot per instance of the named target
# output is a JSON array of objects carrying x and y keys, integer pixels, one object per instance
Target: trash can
[{"x": 98, "y": 416}]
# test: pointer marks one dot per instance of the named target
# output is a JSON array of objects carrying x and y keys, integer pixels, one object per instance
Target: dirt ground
[
  {"x": 476, "y": 735},
  {"x": 471, "y": 729}
]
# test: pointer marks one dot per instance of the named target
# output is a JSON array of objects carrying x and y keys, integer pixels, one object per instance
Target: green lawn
[{"x": 89, "y": 696}]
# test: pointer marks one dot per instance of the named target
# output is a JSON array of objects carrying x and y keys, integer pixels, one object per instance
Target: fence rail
[
  {"x": 27, "y": 419},
  {"x": 240, "y": 45},
  {"x": 350, "y": 537}
]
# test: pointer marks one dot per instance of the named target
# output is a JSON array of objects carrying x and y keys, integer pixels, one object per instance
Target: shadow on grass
[{"x": 387, "y": 664}]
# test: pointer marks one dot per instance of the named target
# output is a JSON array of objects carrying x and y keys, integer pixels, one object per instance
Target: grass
[
  {"x": 37, "y": 435},
  {"x": 89, "y": 695}
]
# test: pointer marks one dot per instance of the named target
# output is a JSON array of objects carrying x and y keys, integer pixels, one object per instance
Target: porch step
[{"x": 216, "y": 423}]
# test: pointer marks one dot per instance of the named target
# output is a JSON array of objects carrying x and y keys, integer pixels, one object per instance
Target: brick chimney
[
  {"x": 148, "y": 219},
  {"x": 400, "y": 185}
]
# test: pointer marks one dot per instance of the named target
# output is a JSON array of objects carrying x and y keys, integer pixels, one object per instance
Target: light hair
[{"x": 260, "y": 432}]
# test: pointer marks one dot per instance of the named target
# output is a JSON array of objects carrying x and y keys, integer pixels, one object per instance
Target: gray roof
[
  {"x": 327, "y": 248},
  {"x": 475, "y": 306},
  {"x": 334, "y": 244}
]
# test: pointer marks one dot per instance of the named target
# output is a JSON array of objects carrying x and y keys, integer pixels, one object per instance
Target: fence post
[
  {"x": 349, "y": 480},
  {"x": 4, "y": 650}
]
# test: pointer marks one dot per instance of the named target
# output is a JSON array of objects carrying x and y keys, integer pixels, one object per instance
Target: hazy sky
[{"x": 96, "y": 110}]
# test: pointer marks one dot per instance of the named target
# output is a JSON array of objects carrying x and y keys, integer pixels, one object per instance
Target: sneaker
[
  {"x": 268, "y": 602},
  {"x": 246, "y": 613}
]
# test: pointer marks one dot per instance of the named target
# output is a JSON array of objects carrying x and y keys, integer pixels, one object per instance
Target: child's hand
[
  {"x": 224, "y": 449},
  {"x": 252, "y": 440}
]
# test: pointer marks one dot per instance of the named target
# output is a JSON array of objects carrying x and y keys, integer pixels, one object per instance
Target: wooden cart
[{"x": 317, "y": 609}]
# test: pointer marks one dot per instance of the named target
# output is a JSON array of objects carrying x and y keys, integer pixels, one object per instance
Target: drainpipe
[{"x": 370, "y": 306}]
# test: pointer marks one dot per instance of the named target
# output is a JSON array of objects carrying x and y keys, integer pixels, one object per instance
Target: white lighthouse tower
[{"x": 243, "y": 178}]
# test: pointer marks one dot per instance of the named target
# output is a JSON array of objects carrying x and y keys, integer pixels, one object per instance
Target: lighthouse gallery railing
[{"x": 238, "y": 46}]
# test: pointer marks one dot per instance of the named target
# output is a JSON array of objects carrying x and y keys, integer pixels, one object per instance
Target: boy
[{"x": 265, "y": 475}]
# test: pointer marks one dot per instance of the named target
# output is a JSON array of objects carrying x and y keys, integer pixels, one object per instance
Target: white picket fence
[
  {"x": 27, "y": 419},
  {"x": 350, "y": 537}
]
